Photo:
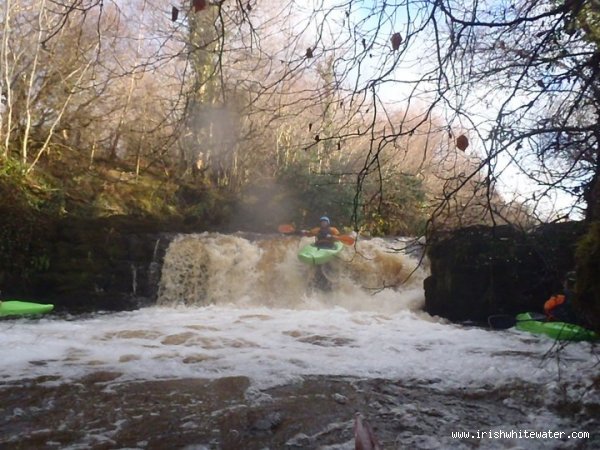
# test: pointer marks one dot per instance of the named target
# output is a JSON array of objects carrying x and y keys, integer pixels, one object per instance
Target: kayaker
[
  {"x": 559, "y": 307},
  {"x": 324, "y": 234}
]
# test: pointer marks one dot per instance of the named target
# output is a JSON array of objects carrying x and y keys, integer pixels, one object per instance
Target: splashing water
[
  {"x": 229, "y": 306},
  {"x": 246, "y": 315},
  {"x": 230, "y": 270}
]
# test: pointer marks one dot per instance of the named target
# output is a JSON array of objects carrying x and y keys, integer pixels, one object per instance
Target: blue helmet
[{"x": 324, "y": 218}]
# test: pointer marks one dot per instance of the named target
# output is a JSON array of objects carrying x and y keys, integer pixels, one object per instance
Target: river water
[{"x": 247, "y": 348}]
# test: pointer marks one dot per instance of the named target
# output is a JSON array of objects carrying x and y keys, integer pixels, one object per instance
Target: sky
[
  {"x": 481, "y": 105},
  {"x": 329, "y": 27}
]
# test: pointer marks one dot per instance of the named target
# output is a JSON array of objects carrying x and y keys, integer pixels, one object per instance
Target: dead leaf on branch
[
  {"x": 396, "y": 41},
  {"x": 199, "y": 5},
  {"x": 462, "y": 142}
]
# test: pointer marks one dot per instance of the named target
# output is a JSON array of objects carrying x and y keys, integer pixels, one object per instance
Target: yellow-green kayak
[
  {"x": 19, "y": 308},
  {"x": 311, "y": 254},
  {"x": 561, "y": 331}
]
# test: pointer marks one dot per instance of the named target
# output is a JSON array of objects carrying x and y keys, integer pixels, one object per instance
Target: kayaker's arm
[
  {"x": 311, "y": 232},
  {"x": 314, "y": 231}
]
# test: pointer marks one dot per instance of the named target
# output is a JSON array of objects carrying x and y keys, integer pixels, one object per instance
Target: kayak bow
[
  {"x": 560, "y": 331},
  {"x": 311, "y": 254},
  {"x": 19, "y": 308}
]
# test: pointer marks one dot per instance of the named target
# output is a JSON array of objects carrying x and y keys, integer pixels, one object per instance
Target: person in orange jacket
[
  {"x": 324, "y": 234},
  {"x": 559, "y": 307}
]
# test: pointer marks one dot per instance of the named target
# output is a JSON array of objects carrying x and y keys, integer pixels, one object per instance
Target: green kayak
[
  {"x": 311, "y": 254},
  {"x": 19, "y": 308},
  {"x": 561, "y": 331}
]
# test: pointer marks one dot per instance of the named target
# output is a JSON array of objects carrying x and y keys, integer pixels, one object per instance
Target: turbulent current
[{"x": 248, "y": 348}]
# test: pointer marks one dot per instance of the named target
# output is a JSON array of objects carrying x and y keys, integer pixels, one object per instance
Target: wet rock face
[
  {"x": 96, "y": 264},
  {"x": 480, "y": 271}
]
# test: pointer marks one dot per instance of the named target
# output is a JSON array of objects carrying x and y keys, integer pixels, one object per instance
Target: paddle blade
[
  {"x": 364, "y": 437},
  {"x": 348, "y": 240},
  {"x": 286, "y": 228}
]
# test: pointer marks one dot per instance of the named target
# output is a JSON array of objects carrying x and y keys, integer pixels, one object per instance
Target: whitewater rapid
[
  {"x": 248, "y": 348},
  {"x": 277, "y": 346},
  {"x": 209, "y": 268},
  {"x": 231, "y": 306}
]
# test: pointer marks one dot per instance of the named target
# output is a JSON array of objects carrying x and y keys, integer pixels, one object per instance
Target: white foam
[
  {"x": 274, "y": 346},
  {"x": 268, "y": 323},
  {"x": 203, "y": 269}
]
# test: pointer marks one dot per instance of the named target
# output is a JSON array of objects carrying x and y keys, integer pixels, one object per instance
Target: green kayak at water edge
[
  {"x": 311, "y": 254},
  {"x": 19, "y": 308},
  {"x": 561, "y": 331}
]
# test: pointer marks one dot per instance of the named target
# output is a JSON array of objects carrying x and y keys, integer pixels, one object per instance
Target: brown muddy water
[
  {"x": 97, "y": 412},
  {"x": 244, "y": 350}
]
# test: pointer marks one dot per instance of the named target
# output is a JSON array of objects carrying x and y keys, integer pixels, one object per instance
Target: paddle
[
  {"x": 505, "y": 321},
  {"x": 289, "y": 229},
  {"x": 286, "y": 229},
  {"x": 344, "y": 239}
]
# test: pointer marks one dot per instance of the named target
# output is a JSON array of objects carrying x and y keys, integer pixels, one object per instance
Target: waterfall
[{"x": 212, "y": 268}]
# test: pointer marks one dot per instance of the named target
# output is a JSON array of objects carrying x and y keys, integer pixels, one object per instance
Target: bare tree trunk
[
  {"x": 592, "y": 196},
  {"x": 92, "y": 155},
  {"x": 5, "y": 85},
  {"x": 117, "y": 137},
  {"x": 32, "y": 75},
  {"x": 59, "y": 116},
  {"x": 138, "y": 156}
]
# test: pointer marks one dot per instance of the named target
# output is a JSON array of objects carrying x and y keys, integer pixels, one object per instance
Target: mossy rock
[
  {"x": 588, "y": 275},
  {"x": 480, "y": 271}
]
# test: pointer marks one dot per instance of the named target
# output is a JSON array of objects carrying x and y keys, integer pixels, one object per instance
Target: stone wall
[
  {"x": 85, "y": 265},
  {"x": 480, "y": 271}
]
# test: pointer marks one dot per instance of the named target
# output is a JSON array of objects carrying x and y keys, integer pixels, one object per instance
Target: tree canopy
[{"x": 388, "y": 112}]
